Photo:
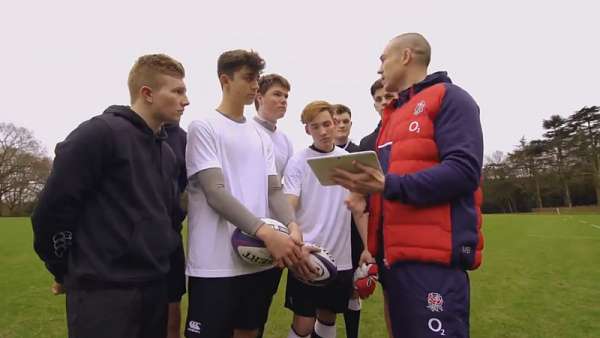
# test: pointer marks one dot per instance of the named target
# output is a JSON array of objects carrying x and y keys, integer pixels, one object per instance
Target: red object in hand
[{"x": 365, "y": 280}]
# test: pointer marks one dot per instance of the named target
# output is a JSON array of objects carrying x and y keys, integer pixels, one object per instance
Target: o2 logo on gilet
[{"x": 414, "y": 127}]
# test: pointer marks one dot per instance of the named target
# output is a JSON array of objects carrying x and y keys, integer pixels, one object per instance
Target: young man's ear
[
  {"x": 146, "y": 94},
  {"x": 224, "y": 79},
  {"x": 306, "y": 129}
]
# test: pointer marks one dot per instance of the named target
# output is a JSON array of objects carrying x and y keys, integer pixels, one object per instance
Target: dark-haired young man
[
  {"x": 232, "y": 183},
  {"x": 271, "y": 105},
  {"x": 342, "y": 115},
  {"x": 381, "y": 98}
]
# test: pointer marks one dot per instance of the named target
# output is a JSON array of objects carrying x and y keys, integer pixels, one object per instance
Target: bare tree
[
  {"x": 23, "y": 166},
  {"x": 499, "y": 182}
]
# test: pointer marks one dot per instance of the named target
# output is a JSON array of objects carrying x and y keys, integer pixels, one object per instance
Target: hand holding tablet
[{"x": 324, "y": 167}]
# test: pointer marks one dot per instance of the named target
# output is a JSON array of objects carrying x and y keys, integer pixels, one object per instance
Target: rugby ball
[
  {"x": 251, "y": 249},
  {"x": 324, "y": 262}
]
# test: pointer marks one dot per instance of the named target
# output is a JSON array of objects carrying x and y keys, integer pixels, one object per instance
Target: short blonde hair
[
  {"x": 313, "y": 109},
  {"x": 146, "y": 69}
]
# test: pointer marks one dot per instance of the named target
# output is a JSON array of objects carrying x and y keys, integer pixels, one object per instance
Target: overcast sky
[{"x": 64, "y": 62}]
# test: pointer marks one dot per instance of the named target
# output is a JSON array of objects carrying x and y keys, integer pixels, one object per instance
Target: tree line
[{"x": 561, "y": 169}]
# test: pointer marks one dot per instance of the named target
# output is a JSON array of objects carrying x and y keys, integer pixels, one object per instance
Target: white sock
[
  {"x": 325, "y": 331},
  {"x": 293, "y": 334},
  {"x": 354, "y": 304}
]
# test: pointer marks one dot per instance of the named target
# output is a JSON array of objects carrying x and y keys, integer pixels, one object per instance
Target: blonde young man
[
  {"x": 323, "y": 220},
  {"x": 233, "y": 182},
  {"x": 103, "y": 225}
]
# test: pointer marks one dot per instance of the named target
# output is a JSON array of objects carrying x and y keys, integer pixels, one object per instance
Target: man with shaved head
[{"x": 424, "y": 210}]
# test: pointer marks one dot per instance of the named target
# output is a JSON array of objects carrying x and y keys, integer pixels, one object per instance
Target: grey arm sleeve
[
  {"x": 278, "y": 203},
  {"x": 212, "y": 182}
]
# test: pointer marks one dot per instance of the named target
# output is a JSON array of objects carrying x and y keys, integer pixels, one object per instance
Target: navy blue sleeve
[
  {"x": 176, "y": 275},
  {"x": 76, "y": 169},
  {"x": 459, "y": 139},
  {"x": 177, "y": 140}
]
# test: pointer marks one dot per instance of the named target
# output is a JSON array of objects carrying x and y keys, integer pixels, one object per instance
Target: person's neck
[
  {"x": 262, "y": 116},
  {"x": 231, "y": 108},
  {"x": 413, "y": 78},
  {"x": 324, "y": 148},
  {"x": 146, "y": 115},
  {"x": 342, "y": 141}
]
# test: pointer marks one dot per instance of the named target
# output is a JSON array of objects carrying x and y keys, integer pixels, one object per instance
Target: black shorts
[
  {"x": 219, "y": 305},
  {"x": 356, "y": 244},
  {"x": 304, "y": 300}
]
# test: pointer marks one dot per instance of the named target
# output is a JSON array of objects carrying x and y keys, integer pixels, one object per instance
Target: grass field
[{"x": 540, "y": 278}]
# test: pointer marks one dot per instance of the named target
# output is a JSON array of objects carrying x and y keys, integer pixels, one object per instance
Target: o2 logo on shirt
[{"x": 435, "y": 325}]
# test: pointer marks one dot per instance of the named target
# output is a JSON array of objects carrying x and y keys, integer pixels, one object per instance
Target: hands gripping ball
[
  {"x": 365, "y": 280},
  {"x": 251, "y": 249},
  {"x": 325, "y": 265}
]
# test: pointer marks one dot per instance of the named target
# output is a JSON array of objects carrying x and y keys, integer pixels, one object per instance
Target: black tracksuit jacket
[{"x": 108, "y": 211}]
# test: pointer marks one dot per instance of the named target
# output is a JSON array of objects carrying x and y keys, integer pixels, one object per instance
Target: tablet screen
[{"x": 323, "y": 167}]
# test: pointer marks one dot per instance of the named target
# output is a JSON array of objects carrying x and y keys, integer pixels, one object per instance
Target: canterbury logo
[{"x": 194, "y": 326}]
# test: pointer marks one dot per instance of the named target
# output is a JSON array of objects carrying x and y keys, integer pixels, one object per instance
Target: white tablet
[{"x": 323, "y": 166}]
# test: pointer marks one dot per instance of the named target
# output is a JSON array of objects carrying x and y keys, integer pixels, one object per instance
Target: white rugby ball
[
  {"x": 324, "y": 262},
  {"x": 251, "y": 249}
]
